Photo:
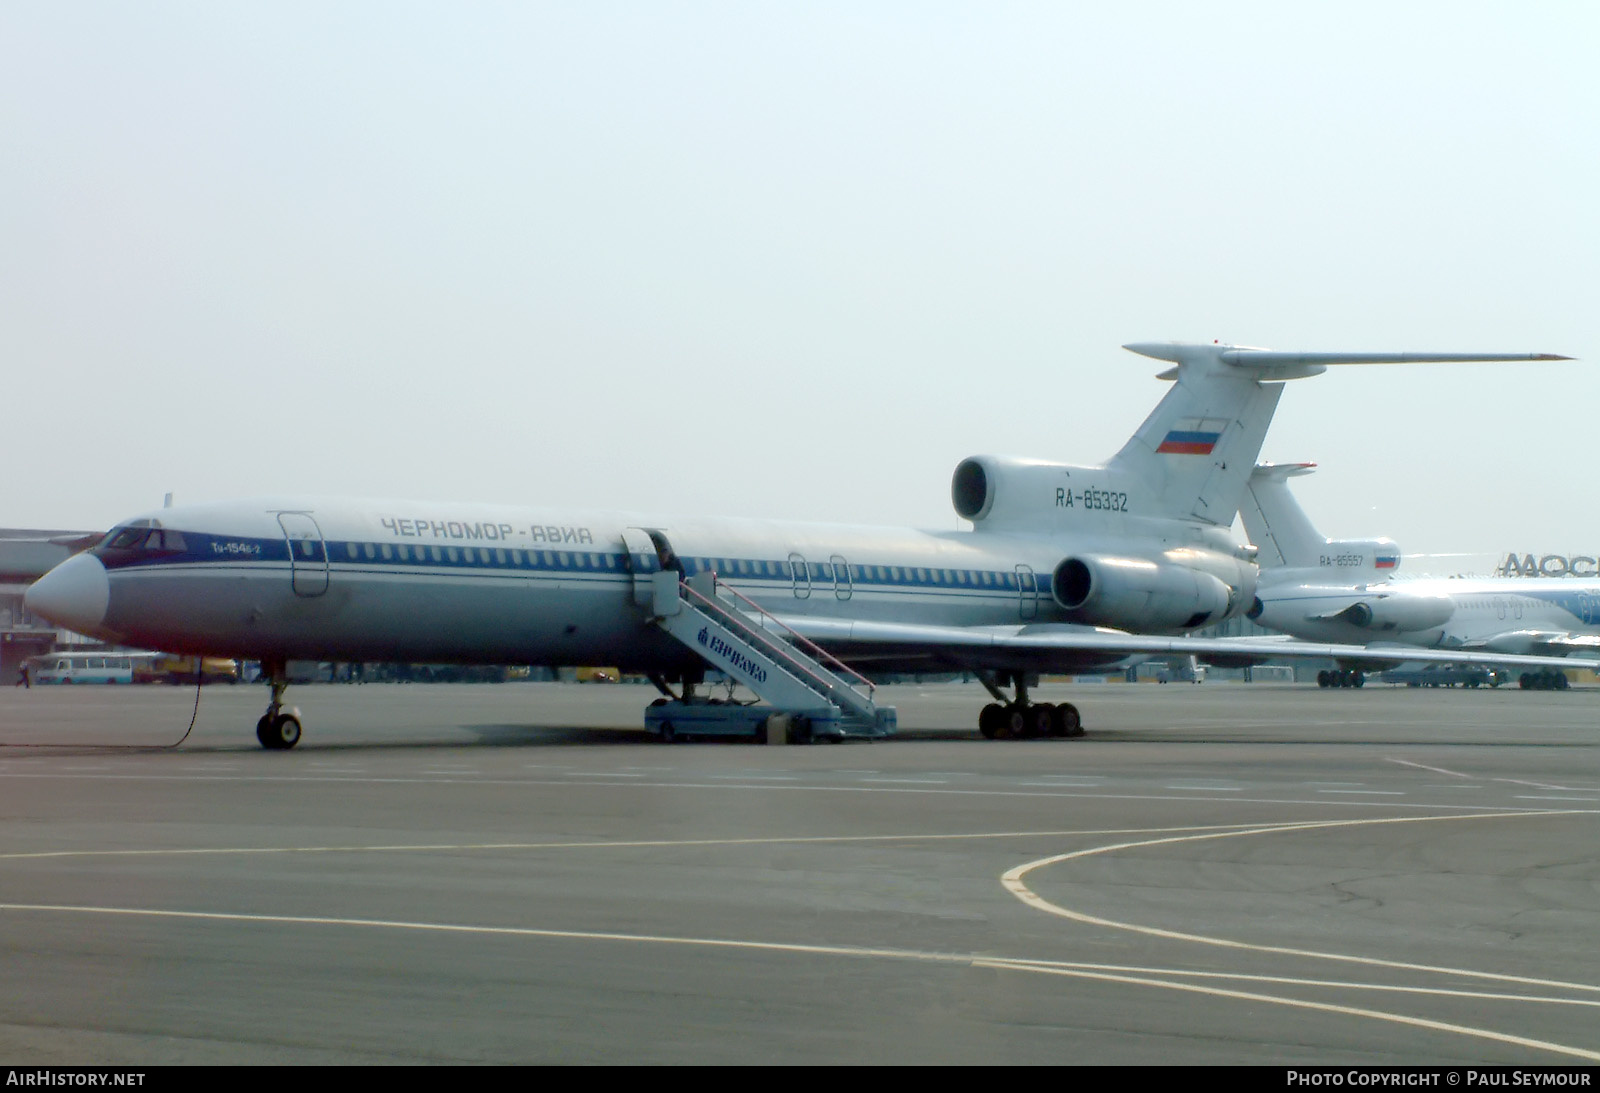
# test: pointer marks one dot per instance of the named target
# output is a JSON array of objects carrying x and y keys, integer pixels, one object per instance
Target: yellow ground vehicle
[
  {"x": 169, "y": 668},
  {"x": 598, "y": 675}
]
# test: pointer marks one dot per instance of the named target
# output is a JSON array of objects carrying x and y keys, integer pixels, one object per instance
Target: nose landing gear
[{"x": 279, "y": 727}]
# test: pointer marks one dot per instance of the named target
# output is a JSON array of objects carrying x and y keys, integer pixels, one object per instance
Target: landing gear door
[
  {"x": 308, "y": 554},
  {"x": 643, "y": 560}
]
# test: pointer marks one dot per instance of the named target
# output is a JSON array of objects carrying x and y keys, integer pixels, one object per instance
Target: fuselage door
[
  {"x": 842, "y": 586},
  {"x": 801, "y": 573},
  {"x": 1027, "y": 593},
  {"x": 308, "y": 554},
  {"x": 643, "y": 559}
]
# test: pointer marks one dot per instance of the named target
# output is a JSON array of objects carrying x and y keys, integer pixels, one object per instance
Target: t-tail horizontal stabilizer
[
  {"x": 1197, "y": 448},
  {"x": 1280, "y": 364}
]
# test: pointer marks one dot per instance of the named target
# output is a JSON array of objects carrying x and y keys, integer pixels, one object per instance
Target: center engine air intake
[
  {"x": 1138, "y": 594},
  {"x": 970, "y": 491},
  {"x": 1001, "y": 491}
]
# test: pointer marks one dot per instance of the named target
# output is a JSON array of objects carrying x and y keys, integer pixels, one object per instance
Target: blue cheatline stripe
[
  {"x": 216, "y": 552},
  {"x": 572, "y": 578}
]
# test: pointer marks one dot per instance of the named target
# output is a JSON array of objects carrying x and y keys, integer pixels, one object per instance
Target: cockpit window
[
  {"x": 142, "y": 536},
  {"x": 126, "y": 538}
]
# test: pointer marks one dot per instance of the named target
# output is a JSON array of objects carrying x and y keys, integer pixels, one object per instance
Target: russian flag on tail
[{"x": 1193, "y": 436}]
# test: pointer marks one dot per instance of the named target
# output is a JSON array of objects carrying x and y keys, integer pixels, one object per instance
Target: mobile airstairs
[{"x": 805, "y": 693}]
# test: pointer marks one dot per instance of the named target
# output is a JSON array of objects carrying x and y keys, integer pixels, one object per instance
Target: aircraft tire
[
  {"x": 278, "y": 733},
  {"x": 1069, "y": 719},
  {"x": 1014, "y": 725},
  {"x": 1358, "y": 678},
  {"x": 1323, "y": 678},
  {"x": 1042, "y": 719},
  {"x": 1058, "y": 721},
  {"x": 288, "y": 728},
  {"x": 989, "y": 720}
]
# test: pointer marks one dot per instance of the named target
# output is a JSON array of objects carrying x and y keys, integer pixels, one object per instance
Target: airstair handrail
[
  {"x": 821, "y": 680},
  {"x": 810, "y": 646}
]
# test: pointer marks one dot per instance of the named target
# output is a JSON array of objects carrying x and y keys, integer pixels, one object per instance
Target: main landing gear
[
  {"x": 1550, "y": 679},
  {"x": 1349, "y": 677},
  {"x": 1018, "y": 718},
  {"x": 279, "y": 727}
]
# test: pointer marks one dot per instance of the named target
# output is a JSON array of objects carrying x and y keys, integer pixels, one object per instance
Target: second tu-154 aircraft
[
  {"x": 1065, "y": 569},
  {"x": 1345, "y": 590}
]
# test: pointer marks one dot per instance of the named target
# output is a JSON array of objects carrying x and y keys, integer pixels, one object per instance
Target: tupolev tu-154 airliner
[
  {"x": 1065, "y": 569},
  {"x": 1345, "y": 590}
]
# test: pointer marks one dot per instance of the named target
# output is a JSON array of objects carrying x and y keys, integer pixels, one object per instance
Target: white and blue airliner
[
  {"x": 1065, "y": 569},
  {"x": 1347, "y": 590}
]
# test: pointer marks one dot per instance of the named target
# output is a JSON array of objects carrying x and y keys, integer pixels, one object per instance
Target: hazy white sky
[{"x": 788, "y": 259}]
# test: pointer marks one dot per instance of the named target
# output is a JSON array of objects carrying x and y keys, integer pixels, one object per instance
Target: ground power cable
[{"x": 199, "y": 679}]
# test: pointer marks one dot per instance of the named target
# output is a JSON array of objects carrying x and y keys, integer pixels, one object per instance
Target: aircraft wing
[
  {"x": 1540, "y": 642},
  {"x": 1065, "y": 648}
]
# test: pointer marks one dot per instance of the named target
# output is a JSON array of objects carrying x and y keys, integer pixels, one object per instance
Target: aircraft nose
[{"x": 74, "y": 594}]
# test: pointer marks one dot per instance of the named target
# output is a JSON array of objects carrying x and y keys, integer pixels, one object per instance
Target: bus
[
  {"x": 100, "y": 667},
  {"x": 127, "y": 667}
]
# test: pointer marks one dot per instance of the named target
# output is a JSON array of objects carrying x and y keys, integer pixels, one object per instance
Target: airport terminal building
[{"x": 25, "y": 556}]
